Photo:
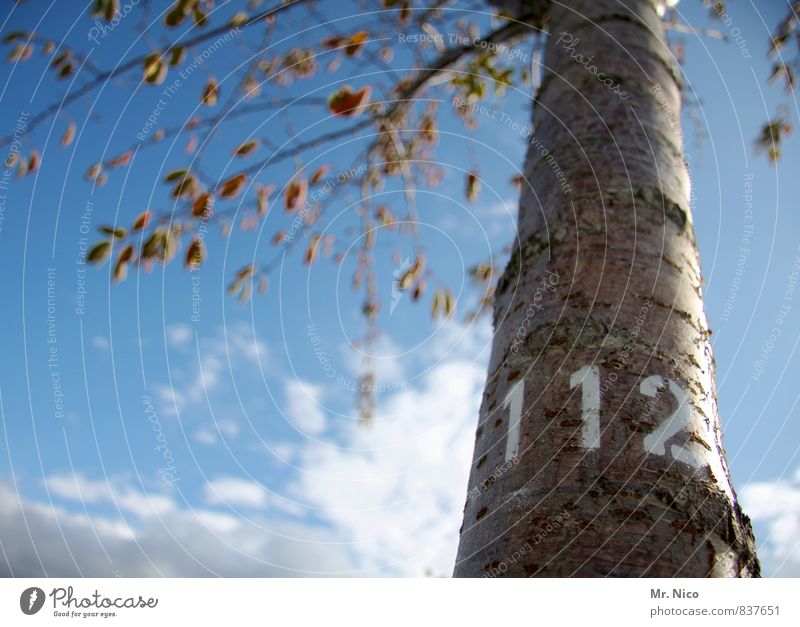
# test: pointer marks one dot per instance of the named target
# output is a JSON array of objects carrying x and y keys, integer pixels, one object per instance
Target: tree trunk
[{"x": 598, "y": 450}]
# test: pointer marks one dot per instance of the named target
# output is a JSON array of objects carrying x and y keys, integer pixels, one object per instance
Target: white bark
[{"x": 600, "y": 302}]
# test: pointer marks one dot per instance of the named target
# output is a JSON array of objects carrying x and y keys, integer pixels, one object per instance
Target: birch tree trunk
[{"x": 598, "y": 450}]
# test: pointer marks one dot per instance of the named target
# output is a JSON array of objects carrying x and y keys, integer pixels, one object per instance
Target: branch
[
  {"x": 512, "y": 30},
  {"x": 288, "y": 153},
  {"x": 139, "y": 61}
]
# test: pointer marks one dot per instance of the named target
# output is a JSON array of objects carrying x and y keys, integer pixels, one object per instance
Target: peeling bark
[{"x": 626, "y": 301}]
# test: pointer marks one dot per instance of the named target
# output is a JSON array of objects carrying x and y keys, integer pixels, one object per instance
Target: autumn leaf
[
  {"x": 301, "y": 63},
  {"x": 370, "y": 309},
  {"x": 232, "y": 187},
  {"x": 34, "y": 161},
  {"x": 175, "y": 175},
  {"x": 412, "y": 273},
  {"x": 21, "y": 52},
  {"x": 403, "y": 5},
  {"x": 99, "y": 253},
  {"x": 184, "y": 187},
  {"x": 319, "y": 174},
  {"x": 191, "y": 144},
  {"x": 238, "y": 20},
  {"x": 141, "y": 221},
  {"x": 482, "y": 272},
  {"x": 121, "y": 266},
  {"x": 120, "y": 271},
  {"x": 385, "y": 216},
  {"x": 346, "y": 102},
  {"x": 333, "y": 42},
  {"x": 127, "y": 253},
  {"x": 246, "y": 148},
  {"x": 355, "y": 43},
  {"x": 105, "y": 9},
  {"x": 93, "y": 172},
  {"x": 195, "y": 254},
  {"x": 203, "y": 206},
  {"x": 405, "y": 281},
  {"x": 210, "y": 93},
  {"x": 112, "y": 231},
  {"x": 311, "y": 251},
  {"x": 240, "y": 283},
  {"x": 351, "y": 45},
  {"x": 296, "y": 193},
  {"x": 68, "y": 136},
  {"x": 251, "y": 88},
  {"x": 772, "y": 134},
  {"x": 245, "y": 294},
  {"x": 14, "y": 36},
  {"x": 60, "y": 59},
  {"x": 443, "y": 301},
  {"x": 264, "y": 192},
  {"x": 418, "y": 291},
  {"x": 199, "y": 17},
  {"x": 473, "y": 186},
  {"x": 427, "y": 130},
  {"x": 161, "y": 244},
  {"x": 449, "y": 304},
  {"x": 177, "y": 55},
  {"x": 155, "y": 70},
  {"x": 66, "y": 70},
  {"x": 121, "y": 160},
  {"x": 179, "y": 12}
]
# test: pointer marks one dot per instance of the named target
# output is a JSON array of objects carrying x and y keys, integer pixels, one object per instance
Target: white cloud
[
  {"x": 227, "y": 427},
  {"x": 100, "y": 342},
  {"x": 494, "y": 217},
  {"x": 205, "y": 436},
  {"x": 178, "y": 335},
  {"x": 234, "y": 491},
  {"x": 503, "y": 208},
  {"x": 387, "y": 498},
  {"x": 87, "y": 491},
  {"x": 209, "y": 435},
  {"x": 396, "y": 489},
  {"x": 304, "y": 407},
  {"x": 40, "y": 539},
  {"x": 212, "y": 359},
  {"x": 284, "y": 450},
  {"x": 774, "y": 507},
  {"x": 454, "y": 340}
]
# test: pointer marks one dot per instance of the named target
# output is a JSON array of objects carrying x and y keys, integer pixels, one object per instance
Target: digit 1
[
  {"x": 589, "y": 378},
  {"x": 514, "y": 399}
]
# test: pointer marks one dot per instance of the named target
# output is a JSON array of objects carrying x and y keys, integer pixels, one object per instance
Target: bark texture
[{"x": 605, "y": 278}]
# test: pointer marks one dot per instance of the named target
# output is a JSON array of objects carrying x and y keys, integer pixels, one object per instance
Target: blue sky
[{"x": 210, "y": 437}]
